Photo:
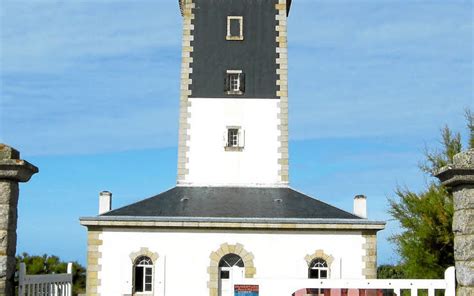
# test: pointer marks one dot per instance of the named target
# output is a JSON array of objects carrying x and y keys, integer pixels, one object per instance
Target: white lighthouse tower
[{"x": 233, "y": 127}]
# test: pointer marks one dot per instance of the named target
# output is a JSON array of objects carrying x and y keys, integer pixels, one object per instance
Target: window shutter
[
  {"x": 226, "y": 82},
  {"x": 242, "y": 82},
  {"x": 225, "y": 138},
  {"x": 241, "y": 137}
]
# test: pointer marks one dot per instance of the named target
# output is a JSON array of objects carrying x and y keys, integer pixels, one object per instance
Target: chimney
[
  {"x": 105, "y": 202},
  {"x": 360, "y": 206}
]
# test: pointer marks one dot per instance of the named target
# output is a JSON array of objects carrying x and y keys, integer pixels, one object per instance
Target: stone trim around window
[
  {"x": 216, "y": 256},
  {"x": 144, "y": 252},
  {"x": 319, "y": 254},
  {"x": 239, "y": 146},
  {"x": 154, "y": 258},
  {"x": 229, "y": 35}
]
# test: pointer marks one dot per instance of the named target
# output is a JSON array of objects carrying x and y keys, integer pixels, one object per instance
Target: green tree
[
  {"x": 426, "y": 243},
  {"x": 387, "y": 271},
  {"x": 52, "y": 264}
]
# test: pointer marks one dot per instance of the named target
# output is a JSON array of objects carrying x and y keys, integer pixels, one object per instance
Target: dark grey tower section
[{"x": 214, "y": 54}]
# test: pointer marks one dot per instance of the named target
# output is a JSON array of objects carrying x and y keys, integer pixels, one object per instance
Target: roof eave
[{"x": 229, "y": 223}]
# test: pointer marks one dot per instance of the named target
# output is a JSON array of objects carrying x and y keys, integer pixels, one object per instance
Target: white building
[{"x": 232, "y": 214}]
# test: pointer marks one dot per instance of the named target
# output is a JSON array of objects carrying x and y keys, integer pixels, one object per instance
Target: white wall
[
  {"x": 277, "y": 255},
  {"x": 210, "y": 164}
]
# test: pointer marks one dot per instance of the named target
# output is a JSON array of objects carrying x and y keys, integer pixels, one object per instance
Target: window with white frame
[
  {"x": 318, "y": 269},
  {"x": 143, "y": 275},
  {"x": 234, "y": 138},
  {"x": 235, "y": 28},
  {"x": 234, "y": 83}
]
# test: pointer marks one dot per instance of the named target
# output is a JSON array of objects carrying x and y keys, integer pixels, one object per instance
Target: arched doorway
[{"x": 231, "y": 270}]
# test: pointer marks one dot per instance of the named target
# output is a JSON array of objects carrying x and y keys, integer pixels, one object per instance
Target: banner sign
[{"x": 245, "y": 290}]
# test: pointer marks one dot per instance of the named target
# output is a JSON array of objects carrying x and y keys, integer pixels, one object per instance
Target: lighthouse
[{"x": 232, "y": 218}]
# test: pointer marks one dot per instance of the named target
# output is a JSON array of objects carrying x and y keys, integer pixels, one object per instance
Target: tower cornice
[{"x": 182, "y": 3}]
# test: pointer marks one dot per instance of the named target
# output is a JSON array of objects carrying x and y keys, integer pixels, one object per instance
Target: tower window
[
  {"x": 234, "y": 82},
  {"x": 235, "y": 28},
  {"x": 234, "y": 138}
]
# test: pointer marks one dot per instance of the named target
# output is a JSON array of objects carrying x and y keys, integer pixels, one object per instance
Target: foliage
[
  {"x": 390, "y": 272},
  {"x": 426, "y": 244},
  {"x": 470, "y": 126},
  {"x": 52, "y": 264},
  {"x": 435, "y": 160}
]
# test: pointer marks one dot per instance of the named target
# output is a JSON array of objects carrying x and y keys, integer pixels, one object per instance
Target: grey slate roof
[{"x": 232, "y": 202}]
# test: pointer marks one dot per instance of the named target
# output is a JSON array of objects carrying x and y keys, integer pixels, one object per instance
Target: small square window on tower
[
  {"x": 235, "y": 28},
  {"x": 234, "y": 138},
  {"x": 234, "y": 83}
]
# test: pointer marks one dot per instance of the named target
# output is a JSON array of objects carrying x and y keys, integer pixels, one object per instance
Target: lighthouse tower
[{"x": 233, "y": 128}]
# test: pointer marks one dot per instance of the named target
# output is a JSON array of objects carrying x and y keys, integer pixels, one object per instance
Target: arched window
[
  {"x": 318, "y": 269},
  {"x": 231, "y": 270},
  {"x": 143, "y": 274}
]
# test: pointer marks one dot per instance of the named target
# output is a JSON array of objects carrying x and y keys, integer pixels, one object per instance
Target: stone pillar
[
  {"x": 12, "y": 171},
  {"x": 459, "y": 177}
]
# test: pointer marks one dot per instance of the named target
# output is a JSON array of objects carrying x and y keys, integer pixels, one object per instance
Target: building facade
[{"x": 232, "y": 214}]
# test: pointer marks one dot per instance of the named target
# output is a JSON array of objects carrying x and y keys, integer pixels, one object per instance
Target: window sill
[
  {"x": 233, "y": 92},
  {"x": 234, "y": 149},
  {"x": 234, "y": 38}
]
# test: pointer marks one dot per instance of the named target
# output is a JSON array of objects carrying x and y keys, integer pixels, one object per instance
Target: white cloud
[
  {"x": 49, "y": 36},
  {"x": 357, "y": 69},
  {"x": 371, "y": 69}
]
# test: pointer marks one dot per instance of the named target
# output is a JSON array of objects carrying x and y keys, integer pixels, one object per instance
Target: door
[{"x": 231, "y": 271}]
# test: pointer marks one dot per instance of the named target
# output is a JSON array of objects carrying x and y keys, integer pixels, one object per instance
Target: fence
[
  {"x": 354, "y": 287},
  {"x": 45, "y": 284}
]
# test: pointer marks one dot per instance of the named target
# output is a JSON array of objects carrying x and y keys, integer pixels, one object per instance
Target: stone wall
[
  {"x": 12, "y": 171},
  {"x": 459, "y": 177}
]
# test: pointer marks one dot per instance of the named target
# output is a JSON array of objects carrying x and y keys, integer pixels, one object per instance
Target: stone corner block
[
  {"x": 12, "y": 167},
  {"x": 460, "y": 172},
  {"x": 465, "y": 273}
]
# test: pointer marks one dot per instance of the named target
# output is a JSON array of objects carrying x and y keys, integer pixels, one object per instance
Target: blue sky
[{"x": 89, "y": 93}]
